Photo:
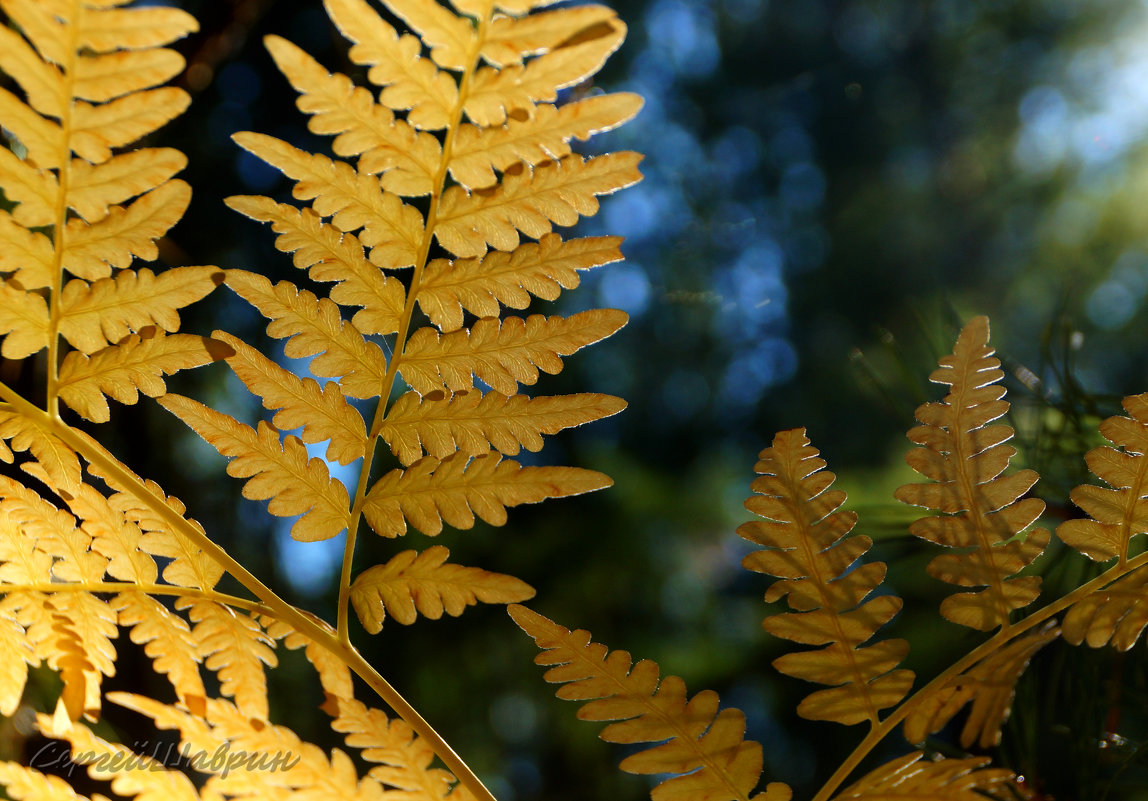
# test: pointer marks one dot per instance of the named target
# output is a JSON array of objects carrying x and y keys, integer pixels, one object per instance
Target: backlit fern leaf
[
  {"x": 807, "y": 546},
  {"x": 980, "y": 510},
  {"x": 1116, "y": 614},
  {"x": 702, "y": 747},
  {"x": 915, "y": 779}
]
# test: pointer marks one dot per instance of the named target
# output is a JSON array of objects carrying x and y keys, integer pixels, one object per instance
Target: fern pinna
[{"x": 437, "y": 210}]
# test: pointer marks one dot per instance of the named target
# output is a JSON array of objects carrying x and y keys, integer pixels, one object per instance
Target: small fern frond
[
  {"x": 58, "y": 463},
  {"x": 1116, "y": 614},
  {"x": 1116, "y": 515},
  {"x": 980, "y": 510},
  {"x": 915, "y": 779},
  {"x": 322, "y": 413},
  {"x": 313, "y": 327},
  {"x": 989, "y": 686},
  {"x": 480, "y": 285},
  {"x": 703, "y": 748},
  {"x": 503, "y": 353},
  {"x": 122, "y": 371},
  {"x": 234, "y": 645},
  {"x": 807, "y": 546},
  {"x": 458, "y": 488},
  {"x": 413, "y": 584},
  {"x": 473, "y": 423},
  {"x": 280, "y": 471}
]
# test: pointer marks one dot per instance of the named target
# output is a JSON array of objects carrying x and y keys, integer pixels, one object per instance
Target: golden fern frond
[
  {"x": 1116, "y": 614},
  {"x": 412, "y": 84},
  {"x": 168, "y": 642},
  {"x": 26, "y": 254},
  {"x": 458, "y": 488},
  {"x": 402, "y": 759},
  {"x": 333, "y": 672},
  {"x": 413, "y": 584},
  {"x": 25, "y": 321},
  {"x": 915, "y": 779},
  {"x": 503, "y": 353},
  {"x": 405, "y": 159},
  {"x": 980, "y": 510},
  {"x": 59, "y": 463},
  {"x": 512, "y": 38},
  {"x": 530, "y": 201},
  {"x": 808, "y": 547},
  {"x": 500, "y": 93},
  {"x": 472, "y": 422},
  {"x": 704, "y": 748},
  {"x": 92, "y": 316},
  {"x": 234, "y": 645},
  {"x": 546, "y": 135},
  {"x": 353, "y": 200},
  {"x": 541, "y": 269},
  {"x": 1116, "y": 514},
  {"x": 29, "y": 784},
  {"x": 331, "y": 256},
  {"x": 989, "y": 685},
  {"x": 313, "y": 327},
  {"x": 279, "y": 471},
  {"x": 322, "y": 412},
  {"x": 122, "y": 371}
]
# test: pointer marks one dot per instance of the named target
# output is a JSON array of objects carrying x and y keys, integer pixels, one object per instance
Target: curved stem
[
  {"x": 116, "y": 473},
  {"x": 968, "y": 660}
]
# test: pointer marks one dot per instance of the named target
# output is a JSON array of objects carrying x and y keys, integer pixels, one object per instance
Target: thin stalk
[
  {"x": 109, "y": 466},
  {"x": 995, "y": 642},
  {"x": 149, "y": 589}
]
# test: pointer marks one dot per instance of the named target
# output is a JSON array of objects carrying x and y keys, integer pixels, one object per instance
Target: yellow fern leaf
[
  {"x": 472, "y": 422},
  {"x": 281, "y": 472},
  {"x": 1116, "y": 514},
  {"x": 391, "y": 229},
  {"x": 980, "y": 512},
  {"x": 456, "y": 489},
  {"x": 699, "y": 741},
  {"x": 106, "y": 29},
  {"x": 235, "y": 646},
  {"x": 105, "y": 76},
  {"x": 546, "y": 136},
  {"x": 915, "y": 779},
  {"x": 137, "y": 776},
  {"x": 406, "y": 158},
  {"x": 511, "y": 39},
  {"x": 92, "y": 189},
  {"x": 542, "y": 269},
  {"x": 989, "y": 685},
  {"x": 134, "y": 365},
  {"x": 331, "y": 256},
  {"x": 94, "y": 315},
  {"x": 322, "y": 412},
  {"x": 41, "y": 81},
  {"x": 503, "y": 353},
  {"x": 41, "y": 137},
  {"x": 498, "y": 93},
  {"x": 413, "y": 84},
  {"x": 96, "y": 129},
  {"x": 91, "y": 251},
  {"x": 333, "y": 672},
  {"x": 24, "y": 320},
  {"x": 28, "y": 784},
  {"x": 1116, "y": 614},
  {"x": 808, "y": 548},
  {"x": 17, "y": 656},
  {"x": 167, "y": 641},
  {"x": 414, "y": 583},
  {"x": 450, "y": 38},
  {"x": 314, "y": 326},
  {"x": 52, "y": 531},
  {"x": 113, "y": 536},
  {"x": 58, "y": 461},
  {"x": 403, "y": 759},
  {"x": 529, "y": 201},
  {"x": 34, "y": 191},
  {"x": 27, "y": 254}
]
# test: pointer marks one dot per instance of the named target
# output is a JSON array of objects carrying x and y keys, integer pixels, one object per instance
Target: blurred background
[{"x": 832, "y": 188}]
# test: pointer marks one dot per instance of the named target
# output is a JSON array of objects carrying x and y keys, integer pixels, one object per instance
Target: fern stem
[
  {"x": 998, "y": 640},
  {"x": 97, "y": 456},
  {"x": 405, "y": 322},
  {"x": 150, "y": 589}
]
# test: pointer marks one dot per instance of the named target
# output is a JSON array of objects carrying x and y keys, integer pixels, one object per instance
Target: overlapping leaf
[
  {"x": 1116, "y": 614},
  {"x": 914, "y": 778},
  {"x": 981, "y": 514},
  {"x": 808, "y": 547}
]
